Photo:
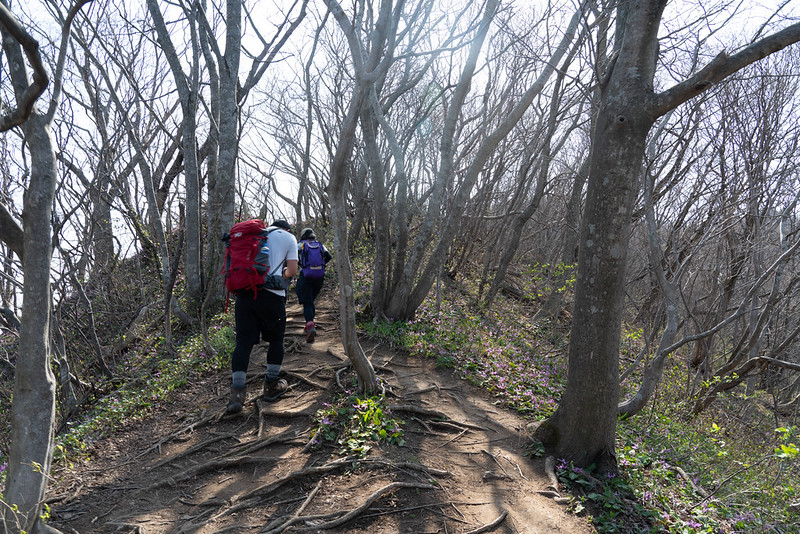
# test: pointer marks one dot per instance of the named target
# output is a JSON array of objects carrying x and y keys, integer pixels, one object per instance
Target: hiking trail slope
[{"x": 186, "y": 469}]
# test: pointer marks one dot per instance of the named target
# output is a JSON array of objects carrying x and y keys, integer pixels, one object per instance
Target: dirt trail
[{"x": 186, "y": 470}]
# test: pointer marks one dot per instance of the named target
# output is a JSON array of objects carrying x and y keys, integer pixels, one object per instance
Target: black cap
[{"x": 280, "y": 223}]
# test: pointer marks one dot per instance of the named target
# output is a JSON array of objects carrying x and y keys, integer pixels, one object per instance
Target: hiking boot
[
  {"x": 237, "y": 401},
  {"x": 274, "y": 389},
  {"x": 311, "y": 331}
]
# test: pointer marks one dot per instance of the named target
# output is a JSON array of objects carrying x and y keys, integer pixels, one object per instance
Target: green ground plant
[
  {"x": 355, "y": 424},
  {"x": 152, "y": 379},
  {"x": 749, "y": 477}
]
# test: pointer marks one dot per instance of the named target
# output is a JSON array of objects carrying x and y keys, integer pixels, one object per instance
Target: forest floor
[{"x": 187, "y": 469}]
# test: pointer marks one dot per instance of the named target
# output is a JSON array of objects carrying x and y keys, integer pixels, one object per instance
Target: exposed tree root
[
  {"x": 339, "y": 355},
  {"x": 138, "y": 529},
  {"x": 338, "y": 375},
  {"x": 265, "y": 408},
  {"x": 550, "y": 472},
  {"x": 252, "y": 498},
  {"x": 306, "y": 380},
  {"x": 251, "y": 447},
  {"x": 293, "y": 344},
  {"x": 428, "y": 471},
  {"x": 217, "y": 463},
  {"x": 255, "y": 496},
  {"x": 313, "y": 470},
  {"x": 433, "y": 387},
  {"x": 552, "y": 490}
]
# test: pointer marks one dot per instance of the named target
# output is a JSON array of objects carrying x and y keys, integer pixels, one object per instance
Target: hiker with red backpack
[
  {"x": 312, "y": 257},
  {"x": 259, "y": 264}
]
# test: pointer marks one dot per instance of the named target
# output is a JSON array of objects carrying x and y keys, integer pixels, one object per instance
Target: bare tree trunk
[
  {"x": 336, "y": 192},
  {"x": 231, "y": 96},
  {"x": 511, "y": 242},
  {"x": 380, "y": 205},
  {"x": 655, "y": 368},
  {"x": 404, "y": 305},
  {"x": 221, "y": 191},
  {"x": 68, "y": 399},
  {"x": 583, "y": 428},
  {"x": 554, "y": 303},
  {"x": 33, "y": 407},
  {"x": 404, "y": 301},
  {"x": 188, "y": 89}
]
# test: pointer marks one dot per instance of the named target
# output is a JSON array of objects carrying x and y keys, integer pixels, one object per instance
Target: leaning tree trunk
[
  {"x": 33, "y": 409},
  {"x": 34, "y": 405},
  {"x": 336, "y": 191}
]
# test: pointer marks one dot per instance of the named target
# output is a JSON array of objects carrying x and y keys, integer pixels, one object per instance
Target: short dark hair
[
  {"x": 308, "y": 233},
  {"x": 280, "y": 223}
]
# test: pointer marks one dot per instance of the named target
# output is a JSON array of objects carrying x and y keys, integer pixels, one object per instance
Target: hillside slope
[{"x": 189, "y": 470}]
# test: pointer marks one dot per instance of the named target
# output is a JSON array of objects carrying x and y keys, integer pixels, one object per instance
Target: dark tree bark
[{"x": 583, "y": 429}]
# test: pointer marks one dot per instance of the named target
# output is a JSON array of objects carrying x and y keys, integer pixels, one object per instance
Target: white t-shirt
[{"x": 282, "y": 247}]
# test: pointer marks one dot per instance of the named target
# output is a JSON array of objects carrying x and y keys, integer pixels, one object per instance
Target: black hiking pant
[
  {"x": 307, "y": 290},
  {"x": 259, "y": 317}
]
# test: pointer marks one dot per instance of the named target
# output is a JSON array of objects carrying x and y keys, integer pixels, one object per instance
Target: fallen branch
[
  {"x": 449, "y": 441},
  {"x": 489, "y": 526},
  {"x": 365, "y": 505},
  {"x": 519, "y": 469},
  {"x": 279, "y": 525},
  {"x": 493, "y": 457},
  {"x": 410, "y": 408},
  {"x": 217, "y": 463},
  {"x": 697, "y": 489},
  {"x": 191, "y": 450},
  {"x": 729, "y": 478}
]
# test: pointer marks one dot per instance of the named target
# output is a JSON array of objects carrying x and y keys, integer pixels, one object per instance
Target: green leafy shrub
[
  {"x": 510, "y": 358},
  {"x": 156, "y": 379},
  {"x": 610, "y": 502}
]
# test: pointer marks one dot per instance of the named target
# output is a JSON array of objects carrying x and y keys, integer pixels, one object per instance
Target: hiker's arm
[{"x": 291, "y": 269}]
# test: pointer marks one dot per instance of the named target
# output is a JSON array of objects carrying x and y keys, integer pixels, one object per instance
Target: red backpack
[{"x": 247, "y": 257}]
